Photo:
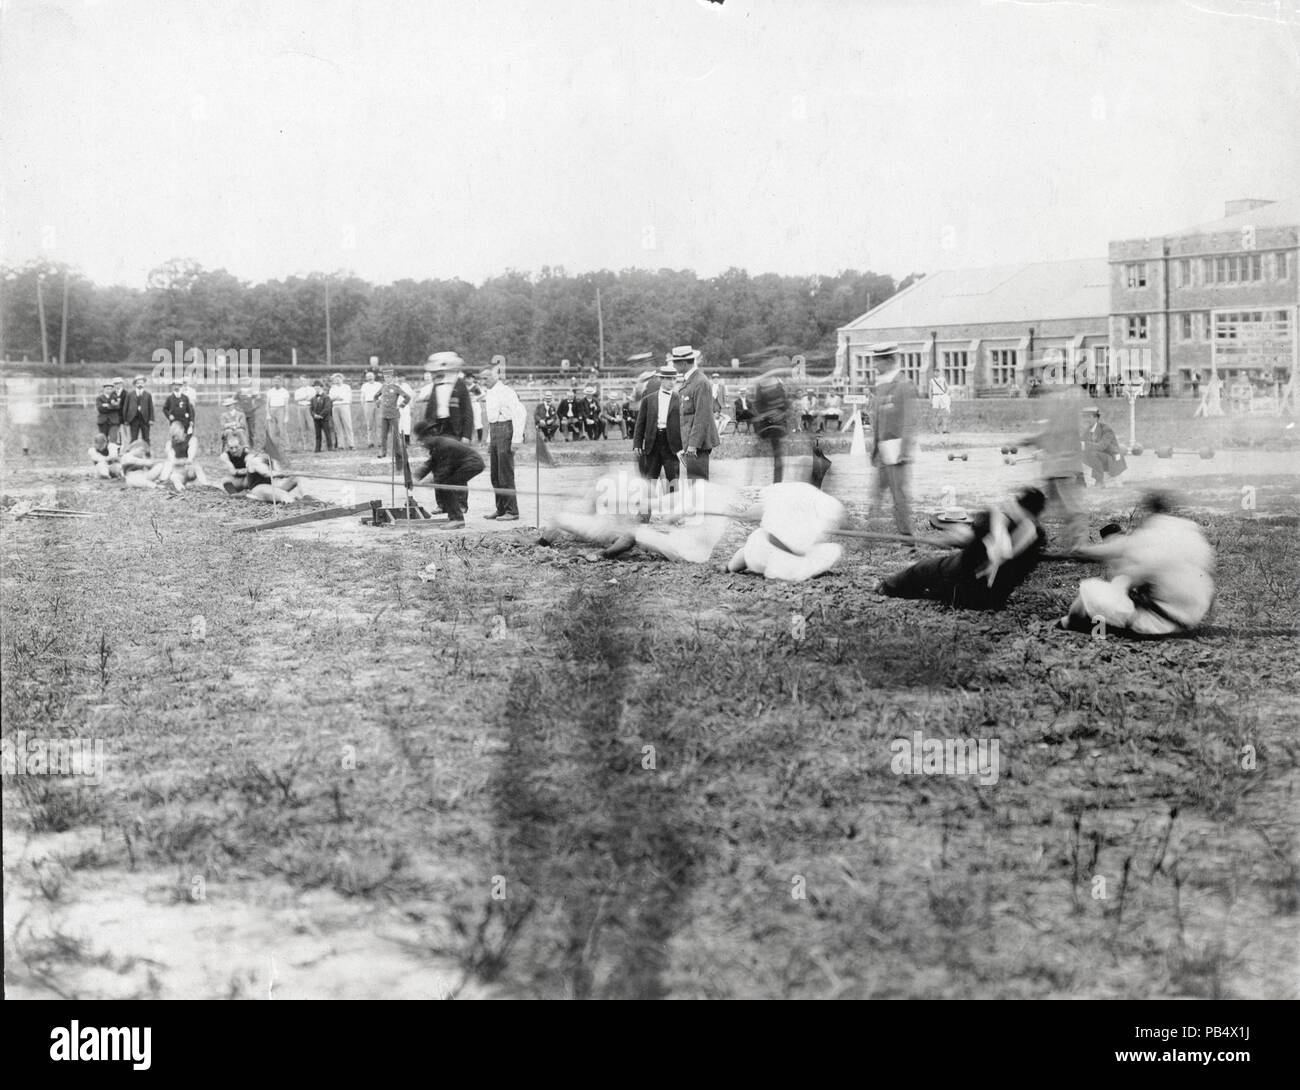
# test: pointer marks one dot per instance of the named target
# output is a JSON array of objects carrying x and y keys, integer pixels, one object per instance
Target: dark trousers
[
  {"x": 894, "y": 479},
  {"x": 140, "y": 431},
  {"x": 453, "y": 501},
  {"x": 389, "y": 427},
  {"x": 502, "y": 460},
  {"x": 324, "y": 428},
  {"x": 111, "y": 432},
  {"x": 659, "y": 458},
  {"x": 696, "y": 465},
  {"x": 774, "y": 436},
  {"x": 951, "y": 578}
]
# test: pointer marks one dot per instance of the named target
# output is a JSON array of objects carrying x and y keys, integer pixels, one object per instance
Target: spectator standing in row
[
  {"x": 178, "y": 406},
  {"x": 393, "y": 397},
  {"x": 506, "y": 418},
  {"x": 137, "y": 410},
  {"x": 341, "y": 396},
  {"x": 250, "y": 406},
  {"x": 370, "y": 403},
  {"x": 322, "y": 415},
  {"x": 302, "y": 397},
  {"x": 108, "y": 413},
  {"x": 277, "y": 413}
]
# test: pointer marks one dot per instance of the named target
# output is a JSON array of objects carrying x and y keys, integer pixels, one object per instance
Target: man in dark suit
[
  {"x": 179, "y": 407},
  {"x": 571, "y": 413},
  {"x": 108, "y": 413},
  {"x": 699, "y": 425},
  {"x": 450, "y": 408},
  {"x": 744, "y": 411},
  {"x": 137, "y": 410},
  {"x": 657, "y": 437},
  {"x": 451, "y": 463}
]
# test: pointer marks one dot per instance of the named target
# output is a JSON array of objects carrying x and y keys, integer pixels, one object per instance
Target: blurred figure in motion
[
  {"x": 790, "y": 542},
  {"x": 1062, "y": 461},
  {"x": 999, "y": 547},
  {"x": 893, "y": 436},
  {"x": 1161, "y": 578},
  {"x": 771, "y": 417},
  {"x": 106, "y": 459}
]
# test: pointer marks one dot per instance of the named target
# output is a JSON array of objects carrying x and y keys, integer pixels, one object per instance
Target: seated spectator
[
  {"x": 1162, "y": 578},
  {"x": 999, "y": 550},
  {"x": 830, "y": 413},
  {"x": 545, "y": 417}
]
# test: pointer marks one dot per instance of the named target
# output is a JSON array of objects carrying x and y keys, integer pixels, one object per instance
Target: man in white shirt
[
  {"x": 505, "y": 417},
  {"x": 302, "y": 396},
  {"x": 277, "y": 413},
  {"x": 370, "y": 401},
  {"x": 341, "y": 395}
]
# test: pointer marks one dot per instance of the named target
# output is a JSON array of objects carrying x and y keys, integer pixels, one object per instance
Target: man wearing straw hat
[
  {"x": 699, "y": 425},
  {"x": 657, "y": 436}
]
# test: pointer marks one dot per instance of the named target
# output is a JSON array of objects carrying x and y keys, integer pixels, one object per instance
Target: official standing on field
[
  {"x": 893, "y": 436},
  {"x": 506, "y": 417},
  {"x": 699, "y": 426},
  {"x": 657, "y": 437}
]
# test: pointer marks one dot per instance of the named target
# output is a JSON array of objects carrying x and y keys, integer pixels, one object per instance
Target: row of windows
[{"x": 1188, "y": 272}]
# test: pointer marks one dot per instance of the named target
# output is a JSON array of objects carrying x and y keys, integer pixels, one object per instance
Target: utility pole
[
  {"x": 329, "y": 351},
  {"x": 600, "y": 324},
  {"x": 63, "y": 331},
  {"x": 40, "y": 311}
]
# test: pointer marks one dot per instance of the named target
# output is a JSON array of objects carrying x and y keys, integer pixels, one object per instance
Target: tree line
[{"x": 534, "y": 320}]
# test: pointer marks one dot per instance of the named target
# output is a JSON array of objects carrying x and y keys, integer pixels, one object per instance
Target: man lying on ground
[
  {"x": 999, "y": 550},
  {"x": 105, "y": 459},
  {"x": 451, "y": 462},
  {"x": 1162, "y": 578},
  {"x": 251, "y": 474},
  {"x": 179, "y": 468},
  {"x": 790, "y": 544},
  {"x": 695, "y": 519},
  {"x": 137, "y": 466}
]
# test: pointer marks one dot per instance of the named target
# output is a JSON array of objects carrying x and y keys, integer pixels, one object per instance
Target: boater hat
[
  {"x": 684, "y": 353},
  {"x": 444, "y": 361},
  {"x": 667, "y": 371}
]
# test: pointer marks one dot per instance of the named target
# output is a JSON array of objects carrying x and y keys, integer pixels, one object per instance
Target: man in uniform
[{"x": 893, "y": 435}]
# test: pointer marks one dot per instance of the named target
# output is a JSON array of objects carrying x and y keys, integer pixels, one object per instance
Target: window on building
[
  {"x": 954, "y": 368},
  {"x": 1234, "y": 269},
  {"x": 1135, "y": 275},
  {"x": 864, "y": 373},
  {"x": 1183, "y": 272},
  {"x": 1137, "y": 327},
  {"x": 1002, "y": 366},
  {"x": 912, "y": 366},
  {"x": 1282, "y": 265},
  {"x": 1185, "y": 326}
]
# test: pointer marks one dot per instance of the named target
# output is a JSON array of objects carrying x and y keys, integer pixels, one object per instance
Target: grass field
[{"x": 538, "y": 775}]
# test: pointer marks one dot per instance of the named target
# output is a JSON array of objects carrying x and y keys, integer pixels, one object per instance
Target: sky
[{"x": 428, "y": 138}]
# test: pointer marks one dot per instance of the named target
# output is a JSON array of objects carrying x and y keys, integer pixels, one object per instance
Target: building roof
[
  {"x": 1037, "y": 291},
  {"x": 1284, "y": 213}
]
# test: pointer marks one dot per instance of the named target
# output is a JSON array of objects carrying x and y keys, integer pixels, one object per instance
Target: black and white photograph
[{"x": 601, "y": 499}]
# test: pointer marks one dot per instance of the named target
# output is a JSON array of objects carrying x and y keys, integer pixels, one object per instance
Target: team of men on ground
[{"x": 1161, "y": 580}]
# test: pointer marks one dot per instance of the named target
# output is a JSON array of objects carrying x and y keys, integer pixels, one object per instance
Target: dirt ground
[{"x": 539, "y": 774}]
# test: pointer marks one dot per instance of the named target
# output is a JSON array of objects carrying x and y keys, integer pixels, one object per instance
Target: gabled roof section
[{"x": 1041, "y": 291}]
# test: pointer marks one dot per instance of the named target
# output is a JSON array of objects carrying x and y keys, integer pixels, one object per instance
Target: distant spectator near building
[{"x": 743, "y": 411}]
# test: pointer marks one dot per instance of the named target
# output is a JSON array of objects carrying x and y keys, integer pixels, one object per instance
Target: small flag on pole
[
  {"x": 278, "y": 460},
  {"x": 859, "y": 444},
  {"x": 543, "y": 451}
]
